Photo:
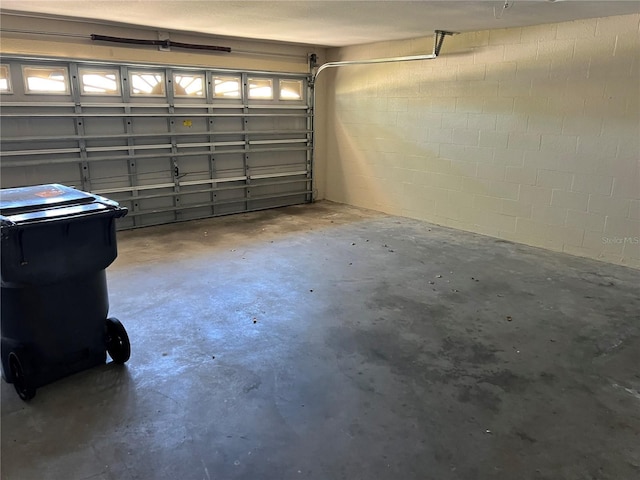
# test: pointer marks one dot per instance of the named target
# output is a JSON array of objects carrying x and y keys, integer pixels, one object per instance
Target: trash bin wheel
[
  {"x": 118, "y": 345},
  {"x": 21, "y": 374}
]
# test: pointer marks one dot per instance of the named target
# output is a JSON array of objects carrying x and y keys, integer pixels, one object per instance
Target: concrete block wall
[{"x": 526, "y": 134}]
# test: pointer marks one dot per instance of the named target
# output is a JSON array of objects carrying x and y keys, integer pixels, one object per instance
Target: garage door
[{"x": 170, "y": 143}]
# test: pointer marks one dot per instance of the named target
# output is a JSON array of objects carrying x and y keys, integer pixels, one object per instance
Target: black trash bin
[{"x": 56, "y": 244}]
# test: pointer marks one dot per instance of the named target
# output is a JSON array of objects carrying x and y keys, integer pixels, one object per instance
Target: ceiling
[{"x": 324, "y": 23}]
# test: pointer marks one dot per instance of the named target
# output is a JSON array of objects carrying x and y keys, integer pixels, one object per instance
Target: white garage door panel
[{"x": 169, "y": 144}]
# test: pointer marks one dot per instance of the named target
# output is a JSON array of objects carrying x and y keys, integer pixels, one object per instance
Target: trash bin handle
[{"x": 120, "y": 212}]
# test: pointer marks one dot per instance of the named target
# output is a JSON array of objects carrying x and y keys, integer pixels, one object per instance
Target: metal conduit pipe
[{"x": 438, "y": 39}]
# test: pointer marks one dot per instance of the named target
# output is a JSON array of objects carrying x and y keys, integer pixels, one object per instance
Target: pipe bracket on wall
[{"x": 439, "y": 39}]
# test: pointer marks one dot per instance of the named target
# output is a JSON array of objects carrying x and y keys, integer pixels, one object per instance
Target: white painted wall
[{"x": 527, "y": 134}]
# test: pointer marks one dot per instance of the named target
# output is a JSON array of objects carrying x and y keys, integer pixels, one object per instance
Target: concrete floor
[{"x": 327, "y": 342}]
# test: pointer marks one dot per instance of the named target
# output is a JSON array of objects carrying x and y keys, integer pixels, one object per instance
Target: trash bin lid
[{"x": 14, "y": 201}]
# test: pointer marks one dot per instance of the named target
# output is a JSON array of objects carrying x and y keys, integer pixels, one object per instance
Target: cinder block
[
  {"x": 470, "y": 217},
  {"x": 465, "y": 137},
  {"x": 443, "y": 180},
  {"x": 605, "y": 205},
  {"x": 526, "y": 175},
  {"x": 508, "y": 88},
  {"x": 503, "y": 223},
  {"x": 511, "y": 156},
  {"x": 490, "y": 171},
  {"x": 571, "y": 200},
  {"x": 622, "y": 227},
  {"x": 480, "y": 88},
  {"x": 627, "y": 187},
  {"x": 544, "y": 123},
  {"x": 586, "y": 221},
  {"x": 556, "y": 49},
  {"x": 477, "y": 186},
  {"x": 631, "y": 249},
  {"x": 626, "y": 45},
  {"x": 602, "y": 185},
  {"x": 435, "y": 194},
  {"x": 497, "y": 105},
  {"x": 509, "y": 191},
  {"x": 463, "y": 169},
  {"x": 634, "y": 210},
  {"x": 471, "y": 72},
  {"x": 443, "y": 104},
  {"x": 505, "y": 36},
  {"x": 453, "y": 152},
  {"x": 577, "y": 29},
  {"x": 455, "y": 120},
  {"x": 612, "y": 25},
  {"x": 598, "y": 242},
  {"x": 484, "y": 229},
  {"x": 487, "y": 204},
  {"x": 428, "y": 149},
  {"x": 516, "y": 122},
  {"x": 488, "y": 55},
  {"x": 462, "y": 200},
  {"x": 534, "y": 195},
  {"x": 569, "y": 235},
  {"x": 552, "y": 161},
  {"x": 492, "y": 138},
  {"x": 469, "y": 105},
  {"x": 581, "y": 125},
  {"x": 446, "y": 210},
  {"x": 597, "y": 106},
  {"x": 600, "y": 147},
  {"x": 621, "y": 86},
  {"x": 629, "y": 151},
  {"x": 474, "y": 39},
  {"x": 437, "y": 165},
  {"x": 532, "y": 68},
  {"x": 482, "y": 121},
  {"x": 503, "y": 71},
  {"x": 539, "y": 33},
  {"x": 531, "y": 105},
  {"x": 515, "y": 208},
  {"x": 439, "y": 135},
  {"x": 579, "y": 251},
  {"x": 520, "y": 52},
  {"x": 549, "y": 215},
  {"x": 479, "y": 154},
  {"x": 415, "y": 162},
  {"x": 524, "y": 141},
  {"x": 552, "y": 88},
  {"x": 554, "y": 179},
  {"x": 573, "y": 72},
  {"x": 535, "y": 233},
  {"x": 619, "y": 127},
  {"x": 396, "y": 104},
  {"x": 631, "y": 262},
  {"x": 565, "y": 144}
]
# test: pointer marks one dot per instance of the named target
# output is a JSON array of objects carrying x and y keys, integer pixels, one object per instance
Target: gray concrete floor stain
[{"x": 330, "y": 342}]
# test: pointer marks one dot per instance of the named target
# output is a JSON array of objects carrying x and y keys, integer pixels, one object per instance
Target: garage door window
[
  {"x": 290, "y": 89},
  {"x": 99, "y": 82},
  {"x": 188, "y": 85},
  {"x": 226, "y": 87},
  {"x": 261, "y": 88},
  {"x": 150, "y": 84},
  {"x": 5, "y": 80},
  {"x": 49, "y": 80}
]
